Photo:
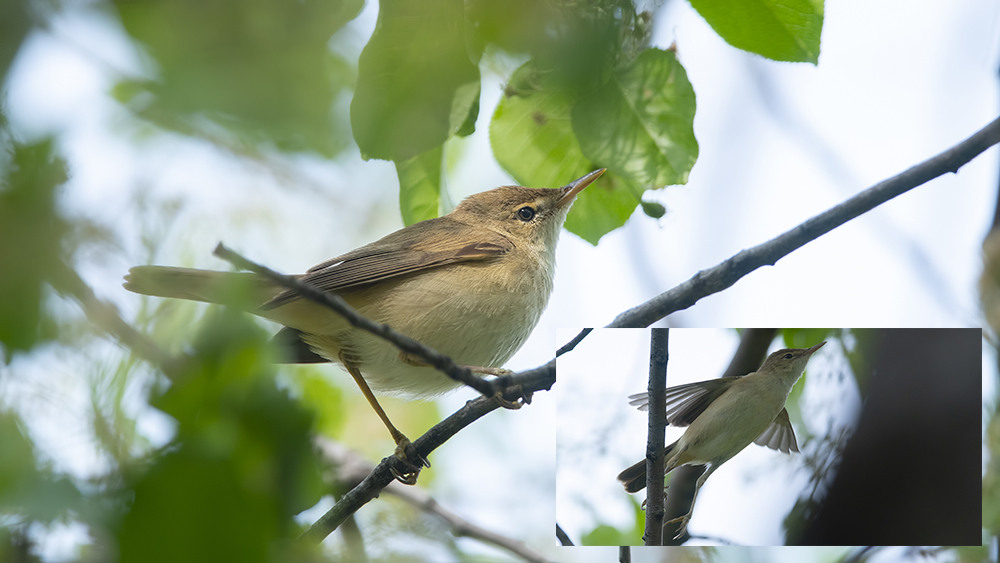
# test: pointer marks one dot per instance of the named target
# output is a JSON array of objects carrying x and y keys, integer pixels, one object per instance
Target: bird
[
  {"x": 471, "y": 284},
  {"x": 723, "y": 416}
]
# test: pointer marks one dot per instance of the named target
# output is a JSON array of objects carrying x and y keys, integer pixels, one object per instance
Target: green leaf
[
  {"x": 417, "y": 84},
  {"x": 601, "y": 208},
  {"x": 782, "y": 30},
  {"x": 533, "y": 140},
  {"x": 653, "y": 209},
  {"x": 26, "y": 490},
  {"x": 420, "y": 186},
  {"x": 609, "y": 535},
  {"x": 325, "y": 399},
  {"x": 31, "y": 233},
  {"x": 261, "y": 68},
  {"x": 531, "y": 133},
  {"x": 242, "y": 465},
  {"x": 640, "y": 124}
]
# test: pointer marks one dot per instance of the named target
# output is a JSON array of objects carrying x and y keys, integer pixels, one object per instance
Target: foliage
[
  {"x": 240, "y": 467},
  {"x": 31, "y": 233},
  {"x": 593, "y": 93},
  {"x": 263, "y": 75}
]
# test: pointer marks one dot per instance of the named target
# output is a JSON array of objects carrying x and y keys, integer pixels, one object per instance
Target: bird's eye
[
  {"x": 526, "y": 213},
  {"x": 787, "y": 356}
]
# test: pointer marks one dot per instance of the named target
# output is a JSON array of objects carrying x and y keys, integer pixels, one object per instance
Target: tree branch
[
  {"x": 724, "y": 275},
  {"x": 655, "y": 434},
  {"x": 443, "y": 363},
  {"x": 352, "y": 469},
  {"x": 537, "y": 379}
]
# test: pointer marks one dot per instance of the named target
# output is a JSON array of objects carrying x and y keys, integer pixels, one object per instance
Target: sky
[{"x": 897, "y": 82}]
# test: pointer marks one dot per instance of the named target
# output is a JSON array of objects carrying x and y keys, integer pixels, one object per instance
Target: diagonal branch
[
  {"x": 724, "y": 275},
  {"x": 351, "y": 468},
  {"x": 537, "y": 379},
  {"x": 443, "y": 363}
]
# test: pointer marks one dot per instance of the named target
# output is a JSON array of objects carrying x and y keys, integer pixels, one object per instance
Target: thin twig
[
  {"x": 537, "y": 379},
  {"x": 724, "y": 275},
  {"x": 572, "y": 343},
  {"x": 335, "y": 302},
  {"x": 655, "y": 435}
]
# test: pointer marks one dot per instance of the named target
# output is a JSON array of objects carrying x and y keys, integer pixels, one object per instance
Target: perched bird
[
  {"x": 725, "y": 415},
  {"x": 471, "y": 284}
]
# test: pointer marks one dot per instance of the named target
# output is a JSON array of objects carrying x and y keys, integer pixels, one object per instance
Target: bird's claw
[
  {"x": 523, "y": 399},
  {"x": 682, "y": 527},
  {"x": 405, "y": 453}
]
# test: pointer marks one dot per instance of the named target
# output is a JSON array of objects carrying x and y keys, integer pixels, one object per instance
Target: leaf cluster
[{"x": 592, "y": 94}]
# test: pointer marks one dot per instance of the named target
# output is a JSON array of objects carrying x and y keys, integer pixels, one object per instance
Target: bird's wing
[
  {"x": 779, "y": 435},
  {"x": 440, "y": 242},
  {"x": 686, "y": 402}
]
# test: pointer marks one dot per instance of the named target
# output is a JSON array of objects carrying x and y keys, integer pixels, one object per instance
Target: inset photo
[{"x": 761, "y": 437}]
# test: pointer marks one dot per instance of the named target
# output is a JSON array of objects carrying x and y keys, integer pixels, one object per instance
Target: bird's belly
[
  {"x": 729, "y": 425},
  {"x": 481, "y": 324}
]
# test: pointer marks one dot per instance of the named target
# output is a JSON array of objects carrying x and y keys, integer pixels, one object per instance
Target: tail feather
[
  {"x": 231, "y": 288},
  {"x": 634, "y": 478}
]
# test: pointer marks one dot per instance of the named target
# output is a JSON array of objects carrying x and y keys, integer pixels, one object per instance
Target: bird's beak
[
  {"x": 817, "y": 347},
  {"x": 577, "y": 186}
]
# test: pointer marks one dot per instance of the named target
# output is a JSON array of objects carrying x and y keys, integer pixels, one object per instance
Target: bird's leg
[
  {"x": 683, "y": 520},
  {"x": 498, "y": 396},
  {"x": 402, "y": 442}
]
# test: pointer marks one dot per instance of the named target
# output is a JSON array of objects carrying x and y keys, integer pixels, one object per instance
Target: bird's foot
[
  {"x": 682, "y": 527},
  {"x": 523, "y": 399},
  {"x": 406, "y": 453}
]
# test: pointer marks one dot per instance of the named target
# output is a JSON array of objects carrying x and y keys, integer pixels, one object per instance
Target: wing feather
[{"x": 406, "y": 251}]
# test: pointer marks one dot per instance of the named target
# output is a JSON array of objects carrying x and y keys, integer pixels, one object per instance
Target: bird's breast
[{"x": 477, "y": 313}]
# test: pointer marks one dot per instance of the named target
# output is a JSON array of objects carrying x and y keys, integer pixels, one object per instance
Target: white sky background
[{"x": 897, "y": 82}]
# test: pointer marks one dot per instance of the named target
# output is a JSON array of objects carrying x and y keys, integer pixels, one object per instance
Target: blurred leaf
[
  {"x": 804, "y": 338},
  {"x": 608, "y": 535},
  {"x": 534, "y": 142},
  {"x": 25, "y": 489},
  {"x": 640, "y": 124},
  {"x": 243, "y": 463},
  {"x": 517, "y": 26},
  {"x": 31, "y": 234},
  {"x": 193, "y": 507},
  {"x": 420, "y": 186},
  {"x": 783, "y": 30},
  {"x": 14, "y": 26},
  {"x": 581, "y": 41},
  {"x": 261, "y": 68},
  {"x": 417, "y": 85},
  {"x": 324, "y": 398},
  {"x": 808, "y": 337}
]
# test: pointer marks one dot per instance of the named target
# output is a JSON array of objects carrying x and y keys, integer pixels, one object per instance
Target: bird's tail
[
  {"x": 634, "y": 478},
  {"x": 231, "y": 288}
]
